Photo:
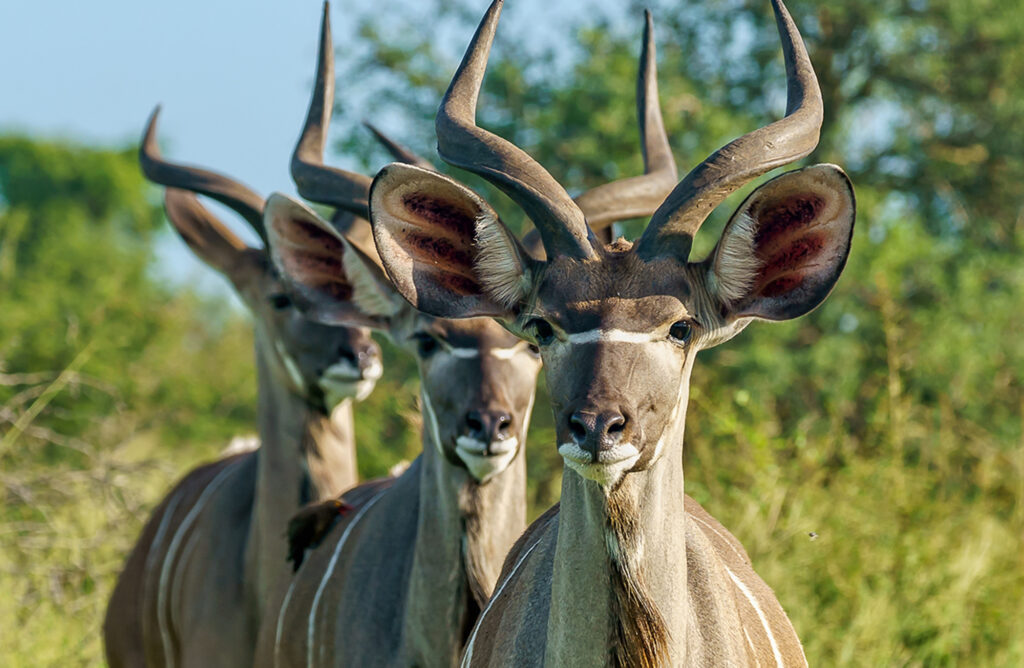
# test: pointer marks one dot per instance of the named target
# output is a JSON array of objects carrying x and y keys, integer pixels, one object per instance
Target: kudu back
[{"x": 625, "y": 571}]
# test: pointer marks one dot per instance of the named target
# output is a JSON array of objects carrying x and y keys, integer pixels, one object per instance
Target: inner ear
[
  {"x": 332, "y": 281},
  {"x": 784, "y": 249},
  {"x": 443, "y": 246}
]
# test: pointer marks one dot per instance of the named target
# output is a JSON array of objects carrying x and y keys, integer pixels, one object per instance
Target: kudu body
[
  {"x": 193, "y": 588},
  {"x": 400, "y": 579},
  {"x": 625, "y": 571}
]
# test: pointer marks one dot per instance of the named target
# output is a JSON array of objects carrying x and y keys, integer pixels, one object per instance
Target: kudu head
[
  {"x": 320, "y": 364},
  {"x": 618, "y": 325},
  {"x": 477, "y": 379}
]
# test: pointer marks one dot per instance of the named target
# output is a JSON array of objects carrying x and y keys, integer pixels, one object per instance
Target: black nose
[
  {"x": 488, "y": 426},
  {"x": 597, "y": 430}
]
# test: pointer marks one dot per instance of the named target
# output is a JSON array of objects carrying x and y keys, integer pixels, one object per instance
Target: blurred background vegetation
[{"x": 869, "y": 456}]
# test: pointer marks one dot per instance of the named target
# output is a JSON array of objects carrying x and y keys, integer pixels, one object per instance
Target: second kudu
[
  {"x": 193, "y": 588},
  {"x": 619, "y": 573},
  {"x": 404, "y": 573}
]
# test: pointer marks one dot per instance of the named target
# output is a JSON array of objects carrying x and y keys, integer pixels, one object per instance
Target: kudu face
[
  {"x": 325, "y": 364},
  {"x": 618, "y": 325},
  {"x": 321, "y": 364},
  {"x": 477, "y": 380}
]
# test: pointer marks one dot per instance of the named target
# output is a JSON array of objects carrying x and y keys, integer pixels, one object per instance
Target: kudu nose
[
  {"x": 488, "y": 426},
  {"x": 595, "y": 431},
  {"x": 367, "y": 358}
]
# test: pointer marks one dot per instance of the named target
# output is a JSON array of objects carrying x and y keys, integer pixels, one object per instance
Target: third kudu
[
  {"x": 194, "y": 586},
  {"x": 619, "y": 574}
]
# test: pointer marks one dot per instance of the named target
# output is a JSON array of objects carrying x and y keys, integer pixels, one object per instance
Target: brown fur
[{"x": 640, "y": 635}]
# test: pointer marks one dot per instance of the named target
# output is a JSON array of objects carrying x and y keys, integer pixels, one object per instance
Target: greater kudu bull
[{"x": 620, "y": 574}]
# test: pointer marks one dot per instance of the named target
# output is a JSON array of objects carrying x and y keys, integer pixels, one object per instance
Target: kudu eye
[
  {"x": 681, "y": 332},
  {"x": 280, "y": 301},
  {"x": 426, "y": 345},
  {"x": 542, "y": 331},
  {"x": 534, "y": 350}
]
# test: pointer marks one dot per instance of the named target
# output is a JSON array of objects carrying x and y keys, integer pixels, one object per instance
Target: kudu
[
  {"x": 193, "y": 588},
  {"x": 620, "y": 573},
  {"x": 402, "y": 576}
]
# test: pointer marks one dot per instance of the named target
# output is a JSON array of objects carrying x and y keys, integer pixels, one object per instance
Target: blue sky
[{"x": 233, "y": 77}]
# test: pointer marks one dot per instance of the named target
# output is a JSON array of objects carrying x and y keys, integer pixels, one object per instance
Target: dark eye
[
  {"x": 534, "y": 350},
  {"x": 541, "y": 330},
  {"x": 280, "y": 301},
  {"x": 426, "y": 345},
  {"x": 681, "y": 332}
]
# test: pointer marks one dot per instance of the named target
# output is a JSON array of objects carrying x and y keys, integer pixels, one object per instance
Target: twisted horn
[
  {"x": 399, "y": 152},
  {"x": 227, "y": 191},
  {"x": 638, "y": 196},
  {"x": 314, "y": 180},
  {"x": 460, "y": 142},
  {"x": 677, "y": 220}
]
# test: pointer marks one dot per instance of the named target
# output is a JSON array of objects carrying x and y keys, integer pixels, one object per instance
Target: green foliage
[{"x": 104, "y": 397}]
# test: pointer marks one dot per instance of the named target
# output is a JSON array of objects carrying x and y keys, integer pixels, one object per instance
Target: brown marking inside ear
[
  {"x": 431, "y": 249},
  {"x": 313, "y": 259},
  {"x": 785, "y": 215},
  {"x": 460, "y": 284},
  {"x": 782, "y": 285},
  {"x": 441, "y": 213}
]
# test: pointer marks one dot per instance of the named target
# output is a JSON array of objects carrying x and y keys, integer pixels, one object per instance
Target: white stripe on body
[
  {"x": 719, "y": 534},
  {"x": 760, "y": 614},
  {"x": 327, "y": 575},
  {"x": 467, "y": 657},
  {"x": 165, "y": 570},
  {"x": 753, "y": 652}
]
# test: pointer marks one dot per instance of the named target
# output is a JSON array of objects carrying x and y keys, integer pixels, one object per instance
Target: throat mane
[{"x": 639, "y": 633}]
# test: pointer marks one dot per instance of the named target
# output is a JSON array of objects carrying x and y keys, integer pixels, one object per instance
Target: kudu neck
[
  {"x": 301, "y": 438},
  {"x": 620, "y": 567},
  {"x": 305, "y": 455},
  {"x": 464, "y": 530}
]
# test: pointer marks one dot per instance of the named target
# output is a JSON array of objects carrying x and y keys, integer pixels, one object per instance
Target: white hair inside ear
[
  {"x": 372, "y": 293},
  {"x": 499, "y": 264},
  {"x": 735, "y": 266}
]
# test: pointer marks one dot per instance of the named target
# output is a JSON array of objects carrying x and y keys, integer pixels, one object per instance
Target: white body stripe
[
  {"x": 280, "y": 618},
  {"x": 468, "y": 656},
  {"x": 165, "y": 570},
  {"x": 435, "y": 429},
  {"x": 760, "y": 614},
  {"x": 719, "y": 534},
  {"x": 330, "y": 569}
]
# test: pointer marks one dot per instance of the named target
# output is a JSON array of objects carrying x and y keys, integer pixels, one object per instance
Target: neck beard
[{"x": 639, "y": 635}]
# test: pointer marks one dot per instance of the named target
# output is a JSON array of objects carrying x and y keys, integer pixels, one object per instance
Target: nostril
[
  {"x": 616, "y": 424},
  {"x": 578, "y": 429},
  {"x": 475, "y": 423},
  {"x": 348, "y": 355},
  {"x": 503, "y": 426}
]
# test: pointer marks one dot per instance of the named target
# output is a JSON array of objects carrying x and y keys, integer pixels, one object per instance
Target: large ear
[
  {"x": 208, "y": 238},
  {"x": 444, "y": 247},
  {"x": 784, "y": 248},
  {"x": 333, "y": 281}
]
